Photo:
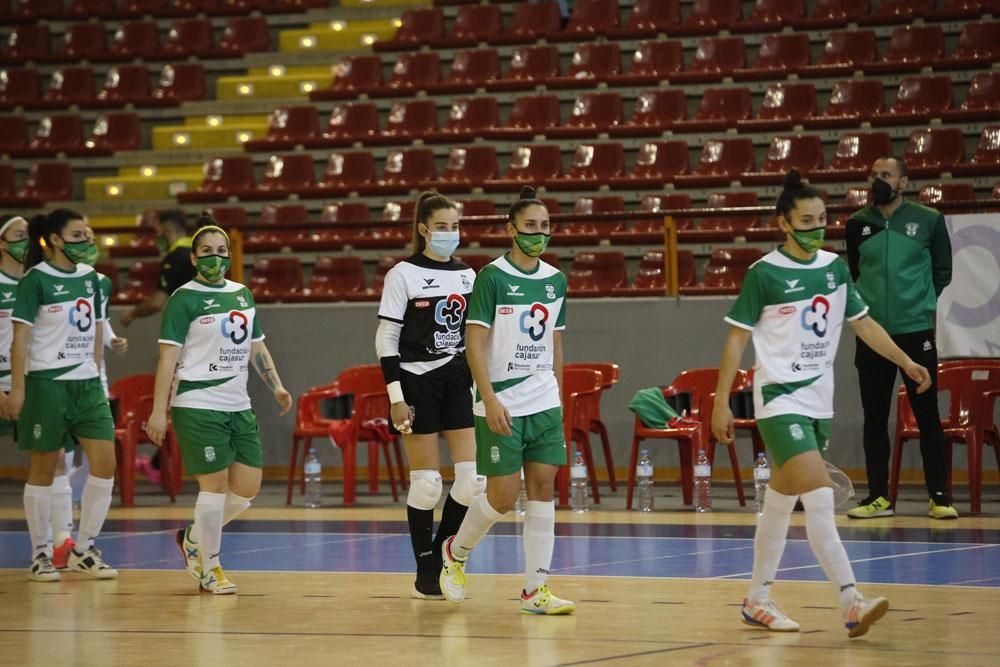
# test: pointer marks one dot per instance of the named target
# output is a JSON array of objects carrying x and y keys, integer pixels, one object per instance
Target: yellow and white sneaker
[
  {"x": 543, "y": 602},
  {"x": 941, "y": 511},
  {"x": 216, "y": 582},
  {"x": 870, "y": 508},
  {"x": 452, "y": 578},
  {"x": 190, "y": 552},
  {"x": 765, "y": 614},
  {"x": 863, "y": 613}
]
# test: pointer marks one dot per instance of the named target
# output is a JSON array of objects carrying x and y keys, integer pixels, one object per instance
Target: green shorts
[
  {"x": 212, "y": 440},
  {"x": 787, "y": 436},
  {"x": 55, "y": 411},
  {"x": 538, "y": 437}
]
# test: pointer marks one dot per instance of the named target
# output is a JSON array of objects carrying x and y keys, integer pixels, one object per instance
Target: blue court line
[{"x": 923, "y": 563}]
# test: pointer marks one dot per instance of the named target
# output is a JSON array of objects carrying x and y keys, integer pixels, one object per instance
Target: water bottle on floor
[
  {"x": 314, "y": 475},
  {"x": 578, "y": 498},
  {"x": 761, "y": 476},
  {"x": 521, "y": 504},
  {"x": 702, "y": 483},
  {"x": 644, "y": 480}
]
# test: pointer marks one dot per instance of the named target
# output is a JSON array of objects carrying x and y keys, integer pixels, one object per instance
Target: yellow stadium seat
[
  {"x": 216, "y": 120},
  {"x": 195, "y": 137},
  {"x": 337, "y": 35},
  {"x": 146, "y": 182},
  {"x": 268, "y": 87},
  {"x": 105, "y": 221}
]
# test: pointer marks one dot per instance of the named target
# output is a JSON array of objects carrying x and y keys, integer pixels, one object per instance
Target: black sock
[
  {"x": 422, "y": 538},
  {"x": 451, "y": 520}
]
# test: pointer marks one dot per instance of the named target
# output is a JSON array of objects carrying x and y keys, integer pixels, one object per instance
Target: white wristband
[{"x": 395, "y": 390}]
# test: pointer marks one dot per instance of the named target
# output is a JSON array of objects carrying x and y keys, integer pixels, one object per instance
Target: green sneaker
[
  {"x": 942, "y": 511},
  {"x": 869, "y": 509}
]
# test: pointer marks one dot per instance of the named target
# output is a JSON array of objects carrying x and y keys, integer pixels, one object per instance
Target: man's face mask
[{"x": 882, "y": 193}]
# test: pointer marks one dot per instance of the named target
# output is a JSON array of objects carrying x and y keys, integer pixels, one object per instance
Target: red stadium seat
[
  {"x": 855, "y": 197},
  {"x": 412, "y": 72},
  {"x": 273, "y": 240},
  {"x": 650, "y": 231},
  {"x": 591, "y": 18},
  {"x": 68, "y": 86},
  {"x": 982, "y": 99},
  {"x": 919, "y": 99},
  {"x": 405, "y": 169},
  {"x": 86, "y": 9},
  {"x": 529, "y": 66},
  {"x": 245, "y": 34},
  {"x": 468, "y": 167},
  {"x": 471, "y": 232},
  {"x": 898, "y": 11},
  {"x": 180, "y": 82},
  {"x": 38, "y": 9},
  {"x": 141, "y": 280},
  {"x": 190, "y": 37},
  {"x": 650, "y": 18},
  {"x": 996, "y": 191},
  {"x": 84, "y": 41},
  {"x": 275, "y": 279},
  {"x": 592, "y": 114},
  {"x": 932, "y": 151},
  {"x": 349, "y": 123},
  {"x": 978, "y": 46},
  {"x": 772, "y": 14},
  {"x": 136, "y": 39},
  {"x": 851, "y": 103},
  {"x": 721, "y": 228},
  {"x": 834, "y": 13},
  {"x": 722, "y": 161},
  {"x": 655, "y": 111},
  {"x": 333, "y": 278},
  {"x": 591, "y": 64},
  {"x": 534, "y": 163},
  {"x": 659, "y": 162},
  {"x": 844, "y": 53},
  {"x": 57, "y": 134},
  {"x": 476, "y": 261},
  {"x": 802, "y": 152},
  {"x": 287, "y": 128},
  {"x": 714, "y": 59},
  {"x": 13, "y": 135},
  {"x": 652, "y": 62},
  {"x": 124, "y": 84},
  {"x": 711, "y": 16},
  {"x": 606, "y": 271},
  {"x": 592, "y": 165},
  {"x": 115, "y": 131},
  {"x": 531, "y": 115},
  {"x": 473, "y": 24},
  {"x": 345, "y": 172},
  {"x": 224, "y": 177},
  {"x": 785, "y": 105},
  {"x": 407, "y": 120},
  {"x": 470, "y": 69},
  {"x": 951, "y": 10},
  {"x": 20, "y": 86},
  {"x": 287, "y": 174},
  {"x": 417, "y": 26},
  {"x": 720, "y": 108},
  {"x": 26, "y": 43},
  {"x": 144, "y": 7},
  {"x": 725, "y": 271},
  {"x": 986, "y": 159},
  {"x": 910, "y": 48},
  {"x": 778, "y": 56},
  {"x": 8, "y": 184},
  {"x": 855, "y": 154},
  {"x": 468, "y": 118},
  {"x": 47, "y": 182},
  {"x": 352, "y": 76},
  {"x": 532, "y": 21},
  {"x": 334, "y": 239},
  {"x": 933, "y": 194}
]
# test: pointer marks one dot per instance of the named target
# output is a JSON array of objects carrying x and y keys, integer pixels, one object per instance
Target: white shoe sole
[
  {"x": 417, "y": 595},
  {"x": 876, "y": 515},
  {"x": 45, "y": 578},
  {"x": 869, "y": 619},
  {"x": 98, "y": 574}
]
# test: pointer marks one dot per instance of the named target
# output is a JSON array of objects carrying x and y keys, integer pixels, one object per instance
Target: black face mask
[{"x": 882, "y": 193}]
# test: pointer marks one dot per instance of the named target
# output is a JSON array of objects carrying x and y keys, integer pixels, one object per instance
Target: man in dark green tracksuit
[{"x": 900, "y": 256}]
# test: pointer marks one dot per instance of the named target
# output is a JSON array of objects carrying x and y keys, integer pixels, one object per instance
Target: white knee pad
[
  {"x": 425, "y": 489},
  {"x": 467, "y": 485}
]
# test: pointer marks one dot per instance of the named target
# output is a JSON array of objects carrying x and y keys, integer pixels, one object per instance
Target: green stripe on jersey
[
  {"x": 191, "y": 385},
  {"x": 773, "y": 391},
  {"x": 503, "y": 385}
]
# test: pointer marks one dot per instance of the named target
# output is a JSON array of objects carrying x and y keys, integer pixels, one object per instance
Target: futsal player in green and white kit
[
  {"x": 211, "y": 335},
  {"x": 514, "y": 347},
  {"x": 55, "y": 391},
  {"x": 794, "y": 302}
]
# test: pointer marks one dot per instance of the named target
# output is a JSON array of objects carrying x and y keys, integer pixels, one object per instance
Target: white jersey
[
  {"x": 215, "y": 325},
  {"x": 8, "y": 295}
]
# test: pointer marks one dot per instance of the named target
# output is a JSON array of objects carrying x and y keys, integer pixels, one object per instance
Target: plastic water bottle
[
  {"x": 578, "y": 499},
  {"x": 644, "y": 480},
  {"x": 521, "y": 504},
  {"x": 761, "y": 476},
  {"x": 702, "y": 483},
  {"x": 314, "y": 476}
]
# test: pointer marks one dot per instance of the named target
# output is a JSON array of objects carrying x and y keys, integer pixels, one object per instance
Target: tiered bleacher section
[{"x": 292, "y": 112}]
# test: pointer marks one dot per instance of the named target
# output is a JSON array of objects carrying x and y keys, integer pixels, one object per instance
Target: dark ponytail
[
  {"x": 794, "y": 191},
  {"x": 528, "y": 197},
  {"x": 41, "y": 227},
  {"x": 428, "y": 203}
]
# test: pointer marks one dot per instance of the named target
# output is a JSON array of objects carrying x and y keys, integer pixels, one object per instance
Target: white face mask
[{"x": 443, "y": 244}]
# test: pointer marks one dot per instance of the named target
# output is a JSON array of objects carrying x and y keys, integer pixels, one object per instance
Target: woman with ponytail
[
  {"x": 420, "y": 343},
  {"x": 56, "y": 393},
  {"x": 516, "y": 318},
  {"x": 794, "y": 303},
  {"x": 210, "y": 335}
]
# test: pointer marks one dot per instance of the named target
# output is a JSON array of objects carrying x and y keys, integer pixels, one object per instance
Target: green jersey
[
  {"x": 796, "y": 311},
  {"x": 522, "y": 311},
  {"x": 214, "y": 325},
  {"x": 64, "y": 310},
  {"x": 8, "y": 295}
]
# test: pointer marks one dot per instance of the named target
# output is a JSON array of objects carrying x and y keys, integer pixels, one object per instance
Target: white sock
[
  {"x": 539, "y": 539},
  {"x": 821, "y": 529},
  {"x": 478, "y": 521},
  {"x": 235, "y": 506},
  {"x": 769, "y": 542},
  {"x": 37, "y": 506},
  {"x": 94, "y": 505},
  {"x": 61, "y": 520},
  {"x": 209, "y": 510}
]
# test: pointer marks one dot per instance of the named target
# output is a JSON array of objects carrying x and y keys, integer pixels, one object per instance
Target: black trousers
[{"x": 877, "y": 377}]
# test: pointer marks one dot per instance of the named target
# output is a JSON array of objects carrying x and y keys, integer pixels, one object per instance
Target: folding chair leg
[
  {"x": 975, "y": 458},
  {"x": 293, "y": 461},
  {"x": 633, "y": 461},
  {"x": 608, "y": 460}
]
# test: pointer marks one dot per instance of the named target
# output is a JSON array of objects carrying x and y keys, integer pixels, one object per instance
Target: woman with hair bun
[
  {"x": 516, "y": 318},
  {"x": 793, "y": 303}
]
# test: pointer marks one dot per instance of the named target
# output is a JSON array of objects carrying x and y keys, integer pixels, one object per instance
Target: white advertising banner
[{"x": 968, "y": 315}]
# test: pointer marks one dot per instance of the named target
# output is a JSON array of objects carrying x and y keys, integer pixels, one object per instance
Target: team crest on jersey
[
  {"x": 797, "y": 432},
  {"x": 243, "y": 301},
  {"x": 210, "y": 454},
  {"x": 550, "y": 291},
  {"x": 831, "y": 280},
  {"x": 911, "y": 229},
  {"x": 89, "y": 285},
  {"x": 494, "y": 453},
  {"x": 37, "y": 432},
  {"x": 466, "y": 285}
]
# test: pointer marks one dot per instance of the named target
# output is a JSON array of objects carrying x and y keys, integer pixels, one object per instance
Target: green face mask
[
  {"x": 92, "y": 254},
  {"x": 811, "y": 240},
  {"x": 76, "y": 252},
  {"x": 532, "y": 245},
  {"x": 213, "y": 267},
  {"x": 163, "y": 244},
  {"x": 17, "y": 249}
]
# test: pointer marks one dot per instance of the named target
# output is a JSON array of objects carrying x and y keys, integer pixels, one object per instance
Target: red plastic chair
[
  {"x": 344, "y": 211},
  {"x": 910, "y": 48},
  {"x": 658, "y": 163},
  {"x": 224, "y": 177},
  {"x": 919, "y": 99},
  {"x": 532, "y": 21},
  {"x": 13, "y": 134},
  {"x": 592, "y": 114},
  {"x": 974, "y": 386},
  {"x": 722, "y": 228},
  {"x": 416, "y": 27},
  {"x": 785, "y": 105},
  {"x": 719, "y": 109},
  {"x": 534, "y": 163},
  {"x": 797, "y": 151},
  {"x": 844, "y": 53},
  {"x": 180, "y": 82},
  {"x": 412, "y": 73},
  {"x": 977, "y": 46},
  {"x": 404, "y": 170},
  {"x": 287, "y": 127},
  {"x": 933, "y": 194},
  {"x": 773, "y": 14},
  {"x": 725, "y": 271},
  {"x": 470, "y": 69},
  {"x": 143, "y": 279},
  {"x": 61, "y": 133},
  {"x": 125, "y": 84},
  {"x": 610, "y": 374},
  {"x": 591, "y": 64},
  {"x": 710, "y": 16},
  {"x": 190, "y": 37},
  {"x": 20, "y": 86},
  {"x": 291, "y": 173},
  {"x": 592, "y": 165},
  {"x": 721, "y": 161},
  {"x": 650, "y": 231},
  {"x": 468, "y": 167},
  {"x": 473, "y": 24},
  {"x": 531, "y": 115},
  {"x": 349, "y": 123},
  {"x": 591, "y": 18},
  {"x": 409, "y": 120},
  {"x": 896, "y": 11},
  {"x": 654, "y": 112},
  {"x": 245, "y": 34},
  {"x": 47, "y": 182},
  {"x": 333, "y": 278},
  {"x": 851, "y": 103},
  {"x": 581, "y": 391},
  {"x": 714, "y": 59},
  {"x": 649, "y": 18},
  {"x": 982, "y": 100},
  {"x": 855, "y": 154},
  {"x": 352, "y": 76},
  {"x": 986, "y": 159},
  {"x": 276, "y": 279},
  {"x": 68, "y": 86},
  {"x": 779, "y": 56},
  {"x": 834, "y": 13},
  {"x": 652, "y": 62},
  {"x": 84, "y": 41},
  {"x": 694, "y": 391},
  {"x": 347, "y": 171},
  {"x": 136, "y": 39},
  {"x": 529, "y": 66},
  {"x": 28, "y": 43},
  {"x": 468, "y": 118},
  {"x": 932, "y": 151}
]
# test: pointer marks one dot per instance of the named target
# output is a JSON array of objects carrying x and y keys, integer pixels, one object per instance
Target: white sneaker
[
  {"x": 216, "y": 582},
  {"x": 863, "y": 613},
  {"x": 190, "y": 552},
  {"x": 543, "y": 602},
  {"x": 452, "y": 577},
  {"x": 765, "y": 614},
  {"x": 91, "y": 562},
  {"x": 42, "y": 569}
]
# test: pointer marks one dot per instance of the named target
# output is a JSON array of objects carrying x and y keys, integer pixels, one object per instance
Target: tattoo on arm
[{"x": 265, "y": 368}]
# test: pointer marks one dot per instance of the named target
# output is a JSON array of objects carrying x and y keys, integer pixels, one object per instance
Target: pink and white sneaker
[{"x": 766, "y": 615}]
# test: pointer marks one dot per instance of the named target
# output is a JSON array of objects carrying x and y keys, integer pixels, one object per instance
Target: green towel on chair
[{"x": 652, "y": 408}]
